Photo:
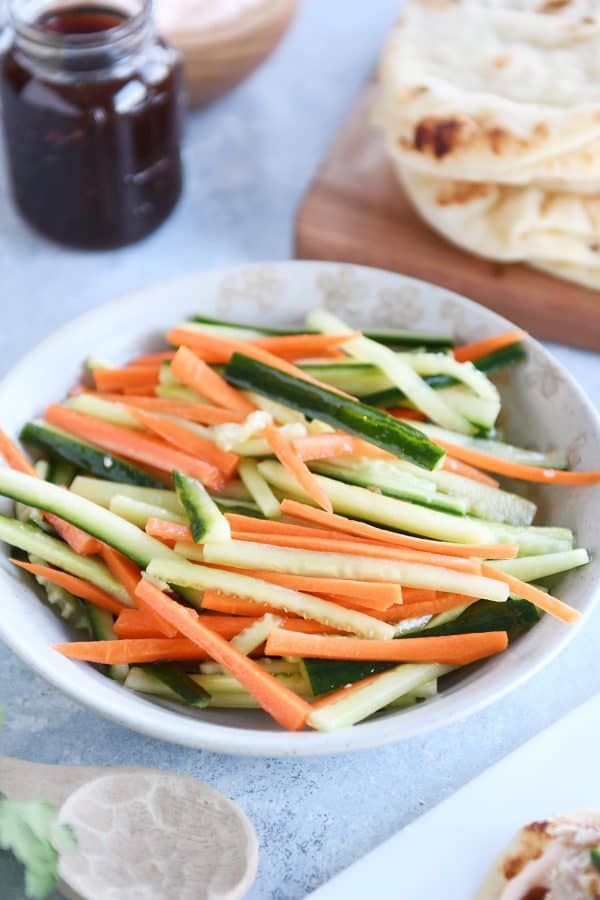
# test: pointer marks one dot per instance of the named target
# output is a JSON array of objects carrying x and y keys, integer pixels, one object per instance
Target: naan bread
[
  {"x": 510, "y": 223},
  {"x": 552, "y": 856},
  {"x": 587, "y": 276},
  {"x": 494, "y": 91}
]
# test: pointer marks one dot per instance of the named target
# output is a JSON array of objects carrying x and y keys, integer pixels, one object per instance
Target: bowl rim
[{"x": 159, "y": 720}]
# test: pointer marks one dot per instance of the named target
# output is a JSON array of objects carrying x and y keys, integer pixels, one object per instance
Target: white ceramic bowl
[{"x": 545, "y": 408}]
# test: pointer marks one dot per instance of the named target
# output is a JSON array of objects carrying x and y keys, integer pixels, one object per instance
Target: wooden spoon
[{"x": 143, "y": 834}]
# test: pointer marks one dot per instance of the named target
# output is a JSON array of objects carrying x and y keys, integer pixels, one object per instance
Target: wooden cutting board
[{"x": 355, "y": 211}]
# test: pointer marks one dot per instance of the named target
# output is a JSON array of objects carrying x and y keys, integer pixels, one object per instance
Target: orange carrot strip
[
  {"x": 133, "y": 650},
  {"x": 322, "y": 446},
  {"x": 274, "y": 526},
  {"x": 381, "y": 551},
  {"x": 289, "y": 710},
  {"x": 223, "y": 348},
  {"x": 188, "y": 441},
  {"x": 418, "y": 595},
  {"x": 297, "y": 346},
  {"x": 142, "y": 390},
  {"x": 539, "y": 598},
  {"x": 78, "y": 540},
  {"x": 128, "y": 574},
  {"x": 194, "y": 373},
  {"x": 152, "y": 358},
  {"x": 77, "y": 586},
  {"x": 371, "y": 532},
  {"x": 461, "y": 468},
  {"x": 132, "y": 376},
  {"x": 371, "y": 594},
  {"x": 469, "y": 352},
  {"x": 138, "y": 623},
  {"x": 517, "y": 470},
  {"x": 132, "y": 445},
  {"x": 397, "y": 613},
  {"x": 456, "y": 649},
  {"x": 232, "y": 605},
  {"x": 404, "y": 412},
  {"x": 182, "y": 409},
  {"x": 288, "y": 457}
]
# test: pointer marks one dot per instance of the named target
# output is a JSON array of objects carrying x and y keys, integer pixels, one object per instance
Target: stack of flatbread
[{"x": 491, "y": 115}]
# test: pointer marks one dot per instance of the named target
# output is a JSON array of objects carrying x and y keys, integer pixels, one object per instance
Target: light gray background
[{"x": 249, "y": 159}]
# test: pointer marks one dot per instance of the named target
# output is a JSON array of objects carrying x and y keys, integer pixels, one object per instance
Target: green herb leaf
[{"x": 30, "y": 832}]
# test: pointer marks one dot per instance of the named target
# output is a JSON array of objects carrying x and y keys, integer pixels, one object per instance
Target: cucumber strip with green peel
[
  {"x": 371, "y": 385},
  {"x": 279, "y": 412},
  {"x": 106, "y": 410},
  {"x": 360, "y": 503},
  {"x": 484, "y": 502},
  {"x": 359, "y": 567},
  {"x": 362, "y": 421},
  {"x": 480, "y": 412},
  {"x": 66, "y": 604},
  {"x": 514, "y": 617},
  {"x": 55, "y": 552},
  {"x": 239, "y": 507},
  {"x": 85, "y": 456},
  {"x": 103, "y": 493},
  {"x": 443, "y": 618},
  {"x": 139, "y": 513},
  {"x": 101, "y": 625},
  {"x": 429, "y": 364},
  {"x": 200, "y": 577},
  {"x": 390, "y": 487},
  {"x": 259, "y": 489},
  {"x": 273, "y": 666},
  {"x": 391, "y": 337},
  {"x": 61, "y": 472},
  {"x": 256, "y": 634},
  {"x": 93, "y": 519},
  {"x": 595, "y": 857},
  {"x": 380, "y": 474},
  {"x": 530, "y": 568},
  {"x": 375, "y": 695},
  {"x": 553, "y": 459},
  {"x": 186, "y": 689},
  {"x": 206, "y": 520},
  {"x": 400, "y": 372},
  {"x": 532, "y": 540}
]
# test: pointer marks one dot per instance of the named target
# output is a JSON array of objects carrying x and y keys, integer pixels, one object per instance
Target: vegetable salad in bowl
[{"x": 311, "y": 521}]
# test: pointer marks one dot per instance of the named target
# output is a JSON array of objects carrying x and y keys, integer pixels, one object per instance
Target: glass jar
[{"x": 93, "y": 106}]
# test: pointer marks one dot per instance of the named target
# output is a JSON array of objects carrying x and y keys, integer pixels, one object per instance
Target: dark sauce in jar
[{"x": 92, "y": 114}]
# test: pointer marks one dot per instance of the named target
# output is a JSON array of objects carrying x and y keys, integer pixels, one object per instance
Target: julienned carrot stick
[
  {"x": 461, "y": 468},
  {"x": 132, "y": 376},
  {"x": 77, "y": 539},
  {"x": 129, "y": 443},
  {"x": 128, "y": 574},
  {"x": 469, "y": 352},
  {"x": 229, "y": 604},
  {"x": 239, "y": 522},
  {"x": 169, "y": 531},
  {"x": 381, "y": 551},
  {"x": 404, "y": 412},
  {"x": 224, "y": 348},
  {"x": 77, "y": 586},
  {"x": 152, "y": 358},
  {"x": 297, "y": 346},
  {"x": 133, "y": 623},
  {"x": 547, "y": 602},
  {"x": 373, "y": 533},
  {"x": 398, "y": 613},
  {"x": 182, "y": 409},
  {"x": 289, "y": 710},
  {"x": 456, "y": 649},
  {"x": 188, "y": 441},
  {"x": 237, "y": 607},
  {"x": 288, "y": 457},
  {"x": 322, "y": 446},
  {"x": 137, "y": 623},
  {"x": 147, "y": 389},
  {"x": 194, "y": 373},
  {"x": 133, "y": 650},
  {"x": 418, "y": 595},
  {"x": 517, "y": 470},
  {"x": 371, "y": 594}
]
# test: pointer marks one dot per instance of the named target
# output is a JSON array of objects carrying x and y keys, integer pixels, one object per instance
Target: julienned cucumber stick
[{"x": 356, "y": 418}]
